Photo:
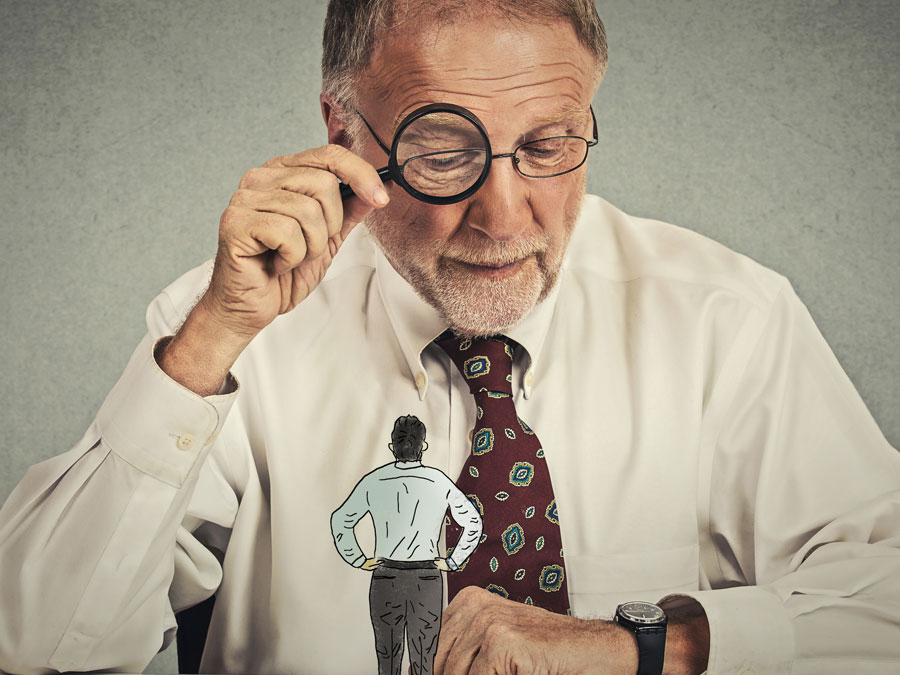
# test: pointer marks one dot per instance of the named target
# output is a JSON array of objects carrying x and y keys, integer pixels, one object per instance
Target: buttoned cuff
[
  {"x": 157, "y": 425},
  {"x": 452, "y": 565},
  {"x": 749, "y": 629}
]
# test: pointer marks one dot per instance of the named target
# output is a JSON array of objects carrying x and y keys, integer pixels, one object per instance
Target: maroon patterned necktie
[{"x": 520, "y": 556}]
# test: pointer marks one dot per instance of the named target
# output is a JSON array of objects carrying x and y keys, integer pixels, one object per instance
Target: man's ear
[
  {"x": 332, "y": 114},
  {"x": 424, "y": 446},
  {"x": 391, "y": 446}
]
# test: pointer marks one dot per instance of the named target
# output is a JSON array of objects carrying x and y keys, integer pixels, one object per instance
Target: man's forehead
[{"x": 484, "y": 66}]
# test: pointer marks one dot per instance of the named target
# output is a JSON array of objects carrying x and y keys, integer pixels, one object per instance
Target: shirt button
[
  {"x": 186, "y": 441},
  {"x": 420, "y": 380}
]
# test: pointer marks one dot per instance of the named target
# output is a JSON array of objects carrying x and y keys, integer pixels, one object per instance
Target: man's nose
[{"x": 501, "y": 208}]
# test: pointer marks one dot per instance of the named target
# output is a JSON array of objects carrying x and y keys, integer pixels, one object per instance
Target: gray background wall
[{"x": 770, "y": 126}]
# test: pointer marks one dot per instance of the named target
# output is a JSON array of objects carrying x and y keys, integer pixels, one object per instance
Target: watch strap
[{"x": 651, "y": 643}]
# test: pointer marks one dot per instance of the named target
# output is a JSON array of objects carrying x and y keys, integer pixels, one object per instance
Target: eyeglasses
[{"x": 441, "y": 154}]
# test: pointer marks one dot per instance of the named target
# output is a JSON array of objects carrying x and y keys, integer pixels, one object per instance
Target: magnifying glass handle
[{"x": 346, "y": 190}]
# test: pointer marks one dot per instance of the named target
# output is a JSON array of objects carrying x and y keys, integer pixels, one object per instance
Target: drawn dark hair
[{"x": 408, "y": 438}]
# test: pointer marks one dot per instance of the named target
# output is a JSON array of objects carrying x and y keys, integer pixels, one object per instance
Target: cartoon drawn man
[{"x": 407, "y": 502}]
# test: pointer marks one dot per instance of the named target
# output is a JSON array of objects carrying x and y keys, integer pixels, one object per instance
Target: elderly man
[{"x": 705, "y": 472}]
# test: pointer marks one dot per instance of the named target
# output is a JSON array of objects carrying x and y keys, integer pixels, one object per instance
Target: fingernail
[{"x": 380, "y": 196}]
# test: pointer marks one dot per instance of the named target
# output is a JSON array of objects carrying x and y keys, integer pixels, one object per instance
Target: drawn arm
[
  {"x": 344, "y": 519},
  {"x": 467, "y": 517}
]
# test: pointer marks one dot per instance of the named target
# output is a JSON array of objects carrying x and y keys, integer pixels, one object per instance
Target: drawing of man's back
[{"x": 407, "y": 502}]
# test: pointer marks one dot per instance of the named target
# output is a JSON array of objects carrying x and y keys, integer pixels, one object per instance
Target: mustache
[{"x": 492, "y": 253}]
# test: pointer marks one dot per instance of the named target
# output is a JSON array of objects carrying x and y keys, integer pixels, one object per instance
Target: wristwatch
[{"x": 648, "y": 622}]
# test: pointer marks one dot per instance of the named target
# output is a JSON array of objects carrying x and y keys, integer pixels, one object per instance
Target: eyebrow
[
  {"x": 566, "y": 112},
  {"x": 569, "y": 112},
  {"x": 448, "y": 119}
]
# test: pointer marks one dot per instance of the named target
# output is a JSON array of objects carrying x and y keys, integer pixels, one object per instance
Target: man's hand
[
  {"x": 484, "y": 633},
  {"x": 370, "y": 564},
  {"x": 277, "y": 238},
  {"x": 281, "y": 231},
  {"x": 441, "y": 564}
]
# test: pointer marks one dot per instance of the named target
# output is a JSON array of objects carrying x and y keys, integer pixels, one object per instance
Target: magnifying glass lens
[{"x": 441, "y": 154}]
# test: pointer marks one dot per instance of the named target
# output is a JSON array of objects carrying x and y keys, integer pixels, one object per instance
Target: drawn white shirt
[{"x": 407, "y": 502}]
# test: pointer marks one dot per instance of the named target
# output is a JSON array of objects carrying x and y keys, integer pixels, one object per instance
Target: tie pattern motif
[{"x": 520, "y": 556}]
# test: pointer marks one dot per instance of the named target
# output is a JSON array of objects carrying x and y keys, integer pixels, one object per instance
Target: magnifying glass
[{"x": 440, "y": 155}]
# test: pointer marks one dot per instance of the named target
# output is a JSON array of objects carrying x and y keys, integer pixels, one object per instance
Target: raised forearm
[{"x": 202, "y": 352}]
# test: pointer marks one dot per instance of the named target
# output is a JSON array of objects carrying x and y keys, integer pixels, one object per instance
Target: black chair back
[{"x": 193, "y": 626}]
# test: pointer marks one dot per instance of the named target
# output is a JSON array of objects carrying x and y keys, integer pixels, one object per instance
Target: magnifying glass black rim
[{"x": 397, "y": 174}]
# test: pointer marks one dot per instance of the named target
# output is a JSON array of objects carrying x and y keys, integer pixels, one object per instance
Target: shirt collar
[
  {"x": 416, "y": 323},
  {"x": 408, "y": 465}
]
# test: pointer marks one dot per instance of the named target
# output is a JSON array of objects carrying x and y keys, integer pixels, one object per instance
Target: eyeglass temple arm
[{"x": 383, "y": 173}]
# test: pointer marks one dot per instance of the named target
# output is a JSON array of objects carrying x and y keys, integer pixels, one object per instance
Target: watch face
[{"x": 641, "y": 612}]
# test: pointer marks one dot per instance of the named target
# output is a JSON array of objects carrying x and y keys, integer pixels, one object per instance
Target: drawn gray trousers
[{"x": 406, "y": 600}]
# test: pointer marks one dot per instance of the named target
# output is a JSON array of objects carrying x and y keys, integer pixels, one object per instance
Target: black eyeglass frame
[{"x": 394, "y": 171}]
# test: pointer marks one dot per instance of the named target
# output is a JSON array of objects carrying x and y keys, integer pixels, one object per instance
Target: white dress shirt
[
  {"x": 407, "y": 502},
  {"x": 701, "y": 437}
]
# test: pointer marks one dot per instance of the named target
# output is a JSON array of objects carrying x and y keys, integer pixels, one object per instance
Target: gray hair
[{"x": 352, "y": 28}]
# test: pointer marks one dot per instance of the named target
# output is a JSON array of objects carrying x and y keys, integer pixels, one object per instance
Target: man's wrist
[
  {"x": 202, "y": 352},
  {"x": 608, "y": 644},
  {"x": 687, "y": 643},
  {"x": 687, "y": 640}
]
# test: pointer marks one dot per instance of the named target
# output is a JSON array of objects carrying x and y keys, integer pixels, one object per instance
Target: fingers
[
  {"x": 312, "y": 221},
  {"x": 280, "y": 183},
  {"x": 335, "y": 161},
  {"x": 304, "y": 187},
  {"x": 463, "y": 647},
  {"x": 484, "y": 633},
  {"x": 249, "y": 233},
  {"x": 340, "y": 162},
  {"x": 461, "y": 626}
]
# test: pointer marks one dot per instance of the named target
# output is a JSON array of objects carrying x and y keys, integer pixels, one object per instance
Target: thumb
[{"x": 355, "y": 209}]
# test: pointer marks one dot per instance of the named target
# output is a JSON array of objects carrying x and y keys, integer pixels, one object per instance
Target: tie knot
[{"x": 485, "y": 363}]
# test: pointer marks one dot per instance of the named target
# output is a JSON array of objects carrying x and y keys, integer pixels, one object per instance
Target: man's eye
[
  {"x": 449, "y": 161},
  {"x": 440, "y": 163},
  {"x": 543, "y": 148}
]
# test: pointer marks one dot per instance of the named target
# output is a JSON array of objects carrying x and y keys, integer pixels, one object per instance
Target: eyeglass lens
[{"x": 551, "y": 156}]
